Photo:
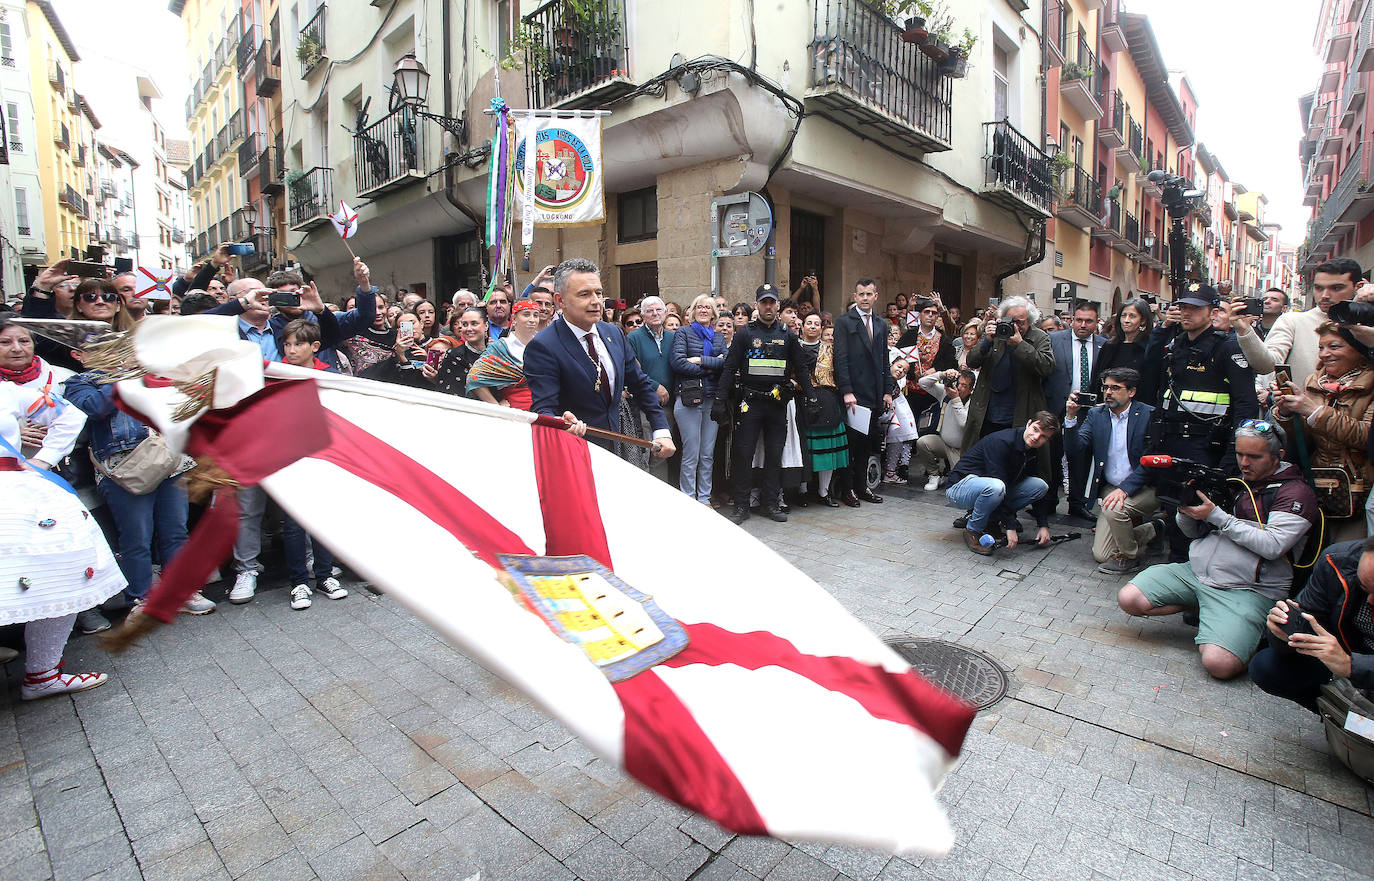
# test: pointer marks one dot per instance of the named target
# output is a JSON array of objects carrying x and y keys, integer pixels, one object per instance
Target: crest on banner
[{"x": 567, "y": 176}]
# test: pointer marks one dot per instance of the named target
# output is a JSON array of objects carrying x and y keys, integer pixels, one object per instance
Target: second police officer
[
  {"x": 1204, "y": 388},
  {"x": 767, "y": 358}
]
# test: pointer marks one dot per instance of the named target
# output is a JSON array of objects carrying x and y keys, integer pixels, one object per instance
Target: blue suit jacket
[
  {"x": 1058, "y": 383},
  {"x": 1093, "y": 433},
  {"x": 562, "y": 377}
]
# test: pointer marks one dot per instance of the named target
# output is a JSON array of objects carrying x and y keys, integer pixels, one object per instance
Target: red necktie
[{"x": 603, "y": 379}]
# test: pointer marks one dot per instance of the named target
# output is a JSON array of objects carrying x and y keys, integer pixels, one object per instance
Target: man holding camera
[
  {"x": 1110, "y": 441},
  {"x": 946, "y": 443},
  {"x": 1238, "y": 563},
  {"x": 1207, "y": 389},
  {"x": 1326, "y": 631},
  {"x": 1012, "y": 361},
  {"x": 1075, "y": 352}
]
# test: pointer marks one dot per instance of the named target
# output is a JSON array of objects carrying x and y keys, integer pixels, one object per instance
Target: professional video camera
[
  {"x": 1177, "y": 194},
  {"x": 1180, "y": 480}
]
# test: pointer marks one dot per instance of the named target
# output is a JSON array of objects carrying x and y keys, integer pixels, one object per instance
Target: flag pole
[
  {"x": 556, "y": 422},
  {"x": 350, "y": 249}
]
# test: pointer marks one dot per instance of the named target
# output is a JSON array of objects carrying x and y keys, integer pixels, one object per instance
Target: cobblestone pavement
[{"x": 348, "y": 742}]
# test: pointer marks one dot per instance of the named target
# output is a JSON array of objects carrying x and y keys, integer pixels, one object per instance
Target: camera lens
[{"x": 1351, "y": 312}]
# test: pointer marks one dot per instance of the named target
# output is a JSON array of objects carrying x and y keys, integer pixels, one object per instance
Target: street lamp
[
  {"x": 250, "y": 216},
  {"x": 410, "y": 86},
  {"x": 1150, "y": 240}
]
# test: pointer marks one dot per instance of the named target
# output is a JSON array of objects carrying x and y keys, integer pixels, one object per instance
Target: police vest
[
  {"x": 765, "y": 358},
  {"x": 1196, "y": 385}
]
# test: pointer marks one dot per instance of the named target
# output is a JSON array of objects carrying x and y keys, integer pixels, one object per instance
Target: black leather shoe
[
  {"x": 962, "y": 521},
  {"x": 776, "y": 515},
  {"x": 800, "y": 501},
  {"x": 829, "y": 502},
  {"x": 738, "y": 516},
  {"x": 869, "y": 496},
  {"x": 850, "y": 499}
]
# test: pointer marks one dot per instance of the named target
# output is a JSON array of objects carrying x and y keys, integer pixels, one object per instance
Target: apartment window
[
  {"x": 1063, "y": 136},
  {"x": 1077, "y": 150},
  {"x": 6, "y": 46},
  {"x": 12, "y": 120},
  {"x": 1001, "y": 76},
  {"x": 21, "y": 210},
  {"x": 638, "y": 215}
]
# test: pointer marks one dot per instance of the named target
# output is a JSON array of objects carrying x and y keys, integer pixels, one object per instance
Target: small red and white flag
[
  {"x": 345, "y": 221},
  {"x": 155, "y": 284},
  {"x": 723, "y": 678}
]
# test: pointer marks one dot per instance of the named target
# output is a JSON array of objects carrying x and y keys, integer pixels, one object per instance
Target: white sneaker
[
  {"x": 245, "y": 586},
  {"x": 335, "y": 572},
  {"x": 932, "y": 483},
  {"x": 198, "y": 605},
  {"x": 300, "y": 597},
  {"x": 331, "y": 588},
  {"x": 51, "y": 682}
]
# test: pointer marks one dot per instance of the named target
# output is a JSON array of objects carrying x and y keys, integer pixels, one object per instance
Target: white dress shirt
[
  {"x": 604, "y": 354},
  {"x": 1075, "y": 379}
]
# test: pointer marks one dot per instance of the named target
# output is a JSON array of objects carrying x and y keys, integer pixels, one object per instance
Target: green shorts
[{"x": 1232, "y": 619}]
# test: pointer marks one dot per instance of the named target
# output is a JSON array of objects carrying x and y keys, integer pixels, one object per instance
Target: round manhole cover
[{"x": 965, "y": 673}]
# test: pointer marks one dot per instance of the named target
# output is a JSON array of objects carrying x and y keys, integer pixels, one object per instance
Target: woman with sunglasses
[
  {"x": 631, "y": 319},
  {"x": 56, "y": 294},
  {"x": 1335, "y": 408}
]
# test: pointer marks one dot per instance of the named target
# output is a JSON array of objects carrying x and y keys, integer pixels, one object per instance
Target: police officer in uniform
[
  {"x": 764, "y": 355},
  {"x": 1205, "y": 390}
]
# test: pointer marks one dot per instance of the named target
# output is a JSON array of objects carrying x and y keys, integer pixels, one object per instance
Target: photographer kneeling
[
  {"x": 1237, "y": 563},
  {"x": 1000, "y": 475},
  {"x": 1330, "y": 623}
]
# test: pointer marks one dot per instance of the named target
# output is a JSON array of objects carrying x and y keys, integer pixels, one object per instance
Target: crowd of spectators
[{"x": 1010, "y": 410}]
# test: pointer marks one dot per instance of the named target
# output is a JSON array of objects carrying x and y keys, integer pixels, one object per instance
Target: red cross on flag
[
  {"x": 155, "y": 284},
  {"x": 345, "y": 221},
  {"x": 742, "y": 690}
]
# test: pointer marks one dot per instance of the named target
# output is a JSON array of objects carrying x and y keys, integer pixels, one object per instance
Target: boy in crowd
[{"x": 301, "y": 343}]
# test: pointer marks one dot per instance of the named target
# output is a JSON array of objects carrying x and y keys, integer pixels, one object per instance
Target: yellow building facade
[
  {"x": 62, "y": 134},
  {"x": 214, "y": 116}
]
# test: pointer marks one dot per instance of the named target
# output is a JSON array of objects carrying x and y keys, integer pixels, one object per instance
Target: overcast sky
[{"x": 1247, "y": 67}]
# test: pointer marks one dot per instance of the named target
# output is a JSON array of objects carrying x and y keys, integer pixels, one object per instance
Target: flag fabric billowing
[
  {"x": 733, "y": 685},
  {"x": 155, "y": 284},
  {"x": 345, "y": 221}
]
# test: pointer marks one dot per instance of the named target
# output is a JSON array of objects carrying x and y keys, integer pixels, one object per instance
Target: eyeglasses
[
  {"x": 1259, "y": 425},
  {"x": 1113, "y": 388},
  {"x": 634, "y": 322},
  {"x": 92, "y": 297}
]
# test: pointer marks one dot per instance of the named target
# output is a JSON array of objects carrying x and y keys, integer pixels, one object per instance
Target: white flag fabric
[
  {"x": 724, "y": 679},
  {"x": 155, "y": 284},
  {"x": 561, "y": 182},
  {"x": 345, "y": 221}
]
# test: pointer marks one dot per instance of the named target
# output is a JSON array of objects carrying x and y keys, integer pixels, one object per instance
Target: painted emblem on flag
[
  {"x": 565, "y": 170},
  {"x": 156, "y": 284},
  {"x": 620, "y": 630},
  {"x": 345, "y": 221}
]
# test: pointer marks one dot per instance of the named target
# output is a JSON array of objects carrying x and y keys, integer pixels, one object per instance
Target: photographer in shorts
[
  {"x": 1238, "y": 562},
  {"x": 1326, "y": 631}
]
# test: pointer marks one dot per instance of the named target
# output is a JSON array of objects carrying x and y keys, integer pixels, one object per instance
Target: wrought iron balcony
[
  {"x": 56, "y": 77},
  {"x": 1080, "y": 198},
  {"x": 389, "y": 154},
  {"x": 310, "y": 197},
  {"x": 249, "y": 151},
  {"x": 1352, "y": 98},
  {"x": 264, "y": 239},
  {"x": 1364, "y": 42},
  {"x": 1111, "y": 226},
  {"x": 310, "y": 47},
  {"x": 865, "y": 78},
  {"x": 1081, "y": 77},
  {"x": 1109, "y": 27},
  {"x": 266, "y": 72},
  {"x": 1112, "y": 132},
  {"x": 239, "y": 227},
  {"x": 271, "y": 169},
  {"x": 579, "y": 56},
  {"x": 1016, "y": 173},
  {"x": 1056, "y": 39},
  {"x": 1350, "y": 201},
  {"x": 1137, "y": 142},
  {"x": 248, "y": 47},
  {"x": 62, "y": 136},
  {"x": 16, "y": 145}
]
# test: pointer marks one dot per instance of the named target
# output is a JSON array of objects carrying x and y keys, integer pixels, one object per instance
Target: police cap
[
  {"x": 1198, "y": 294},
  {"x": 765, "y": 292}
]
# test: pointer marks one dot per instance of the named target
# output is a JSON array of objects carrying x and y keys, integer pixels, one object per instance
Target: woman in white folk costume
[{"x": 54, "y": 561}]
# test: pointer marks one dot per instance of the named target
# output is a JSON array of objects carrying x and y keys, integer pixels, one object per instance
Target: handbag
[
  {"x": 821, "y": 408},
  {"x": 1338, "y": 494},
  {"x": 691, "y": 392},
  {"x": 144, "y": 468}
]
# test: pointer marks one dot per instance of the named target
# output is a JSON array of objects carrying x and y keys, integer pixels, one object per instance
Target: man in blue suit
[
  {"x": 1075, "y": 352},
  {"x": 578, "y": 366},
  {"x": 1110, "y": 442}
]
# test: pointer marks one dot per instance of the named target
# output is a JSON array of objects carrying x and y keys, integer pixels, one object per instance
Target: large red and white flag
[{"x": 710, "y": 669}]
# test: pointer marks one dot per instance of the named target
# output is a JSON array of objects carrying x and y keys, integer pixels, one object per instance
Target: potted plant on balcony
[
  {"x": 1060, "y": 164},
  {"x": 915, "y": 13},
  {"x": 308, "y": 51},
  {"x": 937, "y": 46},
  {"x": 956, "y": 65}
]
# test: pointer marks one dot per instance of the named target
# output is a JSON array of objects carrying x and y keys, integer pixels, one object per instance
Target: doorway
[
  {"x": 807, "y": 244},
  {"x": 948, "y": 282},
  {"x": 458, "y": 264},
  {"x": 637, "y": 281}
]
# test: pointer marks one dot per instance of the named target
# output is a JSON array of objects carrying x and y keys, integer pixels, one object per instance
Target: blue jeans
[
  {"x": 985, "y": 494},
  {"x": 698, "y": 431},
  {"x": 161, "y": 512},
  {"x": 1298, "y": 678},
  {"x": 296, "y": 540}
]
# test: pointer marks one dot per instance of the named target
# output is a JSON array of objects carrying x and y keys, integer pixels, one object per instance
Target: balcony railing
[
  {"x": 1109, "y": 27},
  {"x": 1132, "y": 229},
  {"x": 266, "y": 72},
  {"x": 1350, "y": 201},
  {"x": 864, "y": 77},
  {"x": 16, "y": 145},
  {"x": 1113, "y": 131},
  {"x": 1137, "y": 139},
  {"x": 25, "y": 231},
  {"x": 310, "y": 197},
  {"x": 389, "y": 153},
  {"x": 7, "y": 61},
  {"x": 1055, "y": 36},
  {"x": 56, "y": 77},
  {"x": 62, "y": 136},
  {"x": 271, "y": 169},
  {"x": 310, "y": 48},
  {"x": 1081, "y": 78},
  {"x": 249, "y": 151},
  {"x": 1015, "y": 171},
  {"x": 248, "y": 47},
  {"x": 576, "y": 50},
  {"x": 239, "y": 227},
  {"x": 264, "y": 239},
  {"x": 1080, "y": 197}
]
